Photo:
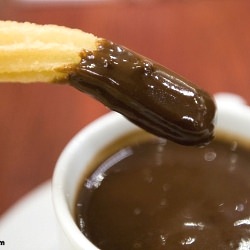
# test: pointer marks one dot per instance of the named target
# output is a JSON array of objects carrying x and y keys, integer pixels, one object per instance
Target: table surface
[{"x": 208, "y": 42}]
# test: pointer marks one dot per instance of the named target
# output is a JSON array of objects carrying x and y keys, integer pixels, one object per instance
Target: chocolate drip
[{"x": 145, "y": 92}]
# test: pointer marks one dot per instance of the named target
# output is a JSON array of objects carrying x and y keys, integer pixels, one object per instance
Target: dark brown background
[{"x": 206, "y": 41}]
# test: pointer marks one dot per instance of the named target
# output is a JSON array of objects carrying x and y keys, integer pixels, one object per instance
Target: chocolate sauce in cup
[{"x": 155, "y": 194}]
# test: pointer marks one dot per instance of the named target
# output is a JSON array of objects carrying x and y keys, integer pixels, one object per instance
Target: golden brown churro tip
[{"x": 37, "y": 53}]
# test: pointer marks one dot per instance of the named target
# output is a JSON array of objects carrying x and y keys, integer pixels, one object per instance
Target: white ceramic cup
[{"x": 233, "y": 117}]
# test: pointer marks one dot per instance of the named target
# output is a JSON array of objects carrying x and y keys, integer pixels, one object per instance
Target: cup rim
[{"x": 62, "y": 210}]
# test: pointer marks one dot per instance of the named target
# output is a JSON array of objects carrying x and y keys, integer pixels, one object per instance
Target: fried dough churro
[
  {"x": 151, "y": 96},
  {"x": 32, "y": 53}
]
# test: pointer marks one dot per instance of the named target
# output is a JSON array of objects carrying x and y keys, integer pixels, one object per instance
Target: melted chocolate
[
  {"x": 160, "y": 195},
  {"x": 148, "y": 94}
]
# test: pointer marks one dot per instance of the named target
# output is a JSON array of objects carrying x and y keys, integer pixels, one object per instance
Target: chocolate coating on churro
[{"x": 149, "y": 95}]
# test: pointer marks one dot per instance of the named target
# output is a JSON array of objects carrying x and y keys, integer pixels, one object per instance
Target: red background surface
[{"x": 208, "y": 42}]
